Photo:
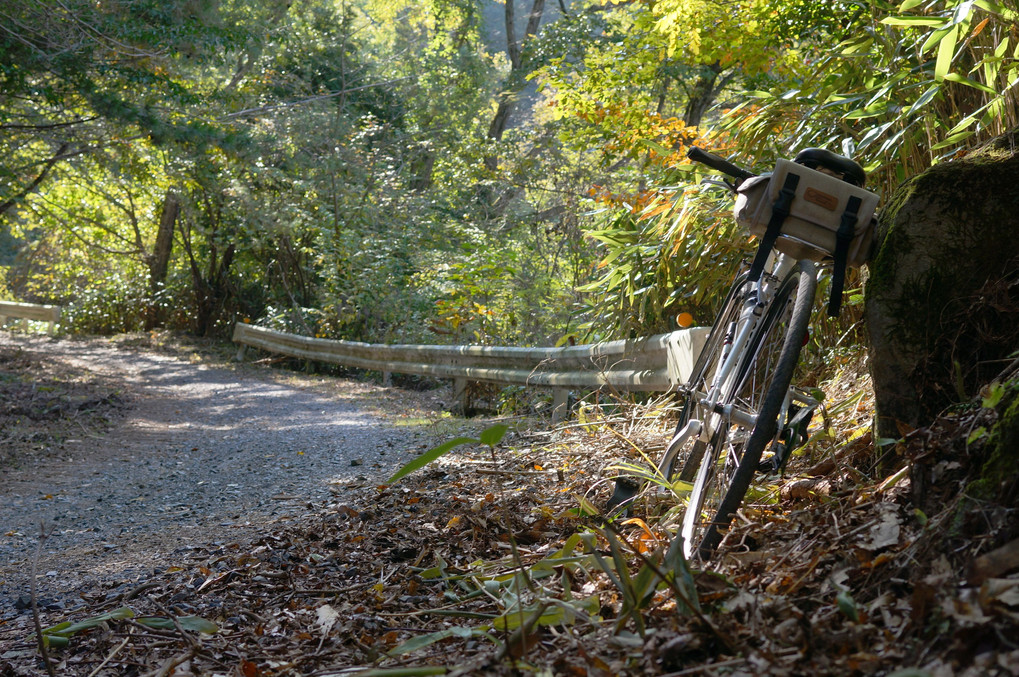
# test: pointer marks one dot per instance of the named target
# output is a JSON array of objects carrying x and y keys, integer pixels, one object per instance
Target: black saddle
[{"x": 818, "y": 158}]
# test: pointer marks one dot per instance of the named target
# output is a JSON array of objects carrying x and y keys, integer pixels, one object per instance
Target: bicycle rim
[
  {"x": 757, "y": 376},
  {"x": 764, "y": 376},
  {"x": 706, "y": 364},
  {"x": 700, "y": 457},
  {"x": 627, "y": 488}
]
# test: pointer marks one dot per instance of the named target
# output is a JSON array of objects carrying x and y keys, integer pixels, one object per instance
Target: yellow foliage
[{"x": 724, "y": 32}]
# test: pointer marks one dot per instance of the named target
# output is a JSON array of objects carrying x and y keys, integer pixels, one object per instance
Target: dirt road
[{"x": 203, "y": 455}]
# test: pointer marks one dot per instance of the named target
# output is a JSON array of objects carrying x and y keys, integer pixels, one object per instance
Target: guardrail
[
  {"x": 30, "y": 311},
  {"x": 654, "y": 364}
]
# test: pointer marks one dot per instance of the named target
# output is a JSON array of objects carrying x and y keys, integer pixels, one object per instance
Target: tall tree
[{"x": 520, "y": 67}]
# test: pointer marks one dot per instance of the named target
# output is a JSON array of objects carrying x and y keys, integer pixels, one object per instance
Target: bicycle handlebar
[{"x": 717, "y": 163}]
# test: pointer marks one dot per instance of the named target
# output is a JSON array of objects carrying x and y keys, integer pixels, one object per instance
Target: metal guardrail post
[
  {"x": 460, "y": 402},
  {"x": 560, "y": 404}
]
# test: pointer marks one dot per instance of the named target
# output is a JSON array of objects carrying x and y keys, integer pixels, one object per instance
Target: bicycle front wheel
[{"x": 760, "y": 396}]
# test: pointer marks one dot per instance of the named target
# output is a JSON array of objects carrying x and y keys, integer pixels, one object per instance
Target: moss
[
  {"x": 893, "y": 240},
  {"x": 943, "y": 292},
  {"x": 1002, "y": 455}
]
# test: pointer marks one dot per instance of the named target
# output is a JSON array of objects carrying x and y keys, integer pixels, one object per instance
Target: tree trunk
[
  {"x": 516, "y": 80},
  {"x": 159, "y": 260},
  {"x": 701, "y": 96}
]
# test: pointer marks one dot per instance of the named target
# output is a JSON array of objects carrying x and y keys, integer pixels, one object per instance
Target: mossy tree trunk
[{"x": 942, "y": 300}]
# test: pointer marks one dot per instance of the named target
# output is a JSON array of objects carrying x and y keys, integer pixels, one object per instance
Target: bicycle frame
[{"x": 718, "y": 415}]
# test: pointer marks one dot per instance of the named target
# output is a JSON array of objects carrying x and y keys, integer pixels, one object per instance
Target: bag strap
[
  {"x": 843, "y": 238},
  {"x": 779, "y": 212}
]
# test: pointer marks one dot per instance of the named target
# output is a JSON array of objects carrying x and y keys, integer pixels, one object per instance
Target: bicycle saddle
[{"x": 815, "y": 158}]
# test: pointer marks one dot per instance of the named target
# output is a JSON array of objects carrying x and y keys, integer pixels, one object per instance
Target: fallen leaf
[
  {"x": 886, "y": 532},
  {"x": 326, "y": 618}
]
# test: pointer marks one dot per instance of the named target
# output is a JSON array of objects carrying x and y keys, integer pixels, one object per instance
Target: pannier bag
[{"x": 808, "y": 214}]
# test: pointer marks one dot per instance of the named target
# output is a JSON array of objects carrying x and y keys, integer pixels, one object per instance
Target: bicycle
[{"x": 739, "y": 399}]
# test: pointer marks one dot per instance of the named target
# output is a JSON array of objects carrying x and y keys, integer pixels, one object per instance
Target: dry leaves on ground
[{"x": 490, "y": 562}]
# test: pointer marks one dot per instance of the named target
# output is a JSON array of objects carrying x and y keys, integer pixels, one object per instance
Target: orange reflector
[{"x": 684, "y": 320}]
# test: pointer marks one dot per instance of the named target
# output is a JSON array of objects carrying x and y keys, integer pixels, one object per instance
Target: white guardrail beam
[
  {"x": 30, "y": 311},
  {"x": 654, "y": 364}
]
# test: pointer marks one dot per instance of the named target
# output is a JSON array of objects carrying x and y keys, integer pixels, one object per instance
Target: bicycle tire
[
  {"x": 775, "y": 337},
  {"x": 709, "y": 357},
  {"x": 626, "y": 488},
  {"x": 700, "y": 459}
]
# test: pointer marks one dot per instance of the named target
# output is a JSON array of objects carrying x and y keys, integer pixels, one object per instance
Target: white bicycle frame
[{"x": 721, "y": 415}]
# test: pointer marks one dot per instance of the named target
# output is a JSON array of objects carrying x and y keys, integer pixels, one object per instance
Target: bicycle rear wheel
[
  {"x": 686, "y": 454},
  {"x": 687, "y": 460},
  {"x": 721, "y": 477}
]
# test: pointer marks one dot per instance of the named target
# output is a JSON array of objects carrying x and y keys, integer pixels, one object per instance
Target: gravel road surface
[{"x": 204, "y": 456}]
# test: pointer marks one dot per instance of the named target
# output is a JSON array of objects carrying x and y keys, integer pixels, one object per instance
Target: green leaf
[
  {"x": 976, "y": 435},
  {"x": 946, "y": 51},
  {"x": 856, "y": 45},
  {"x": 924, "y": 99},
  {"x": 193, "y": 623},
  {"x": 847, "y": 605},
  {"x": 935, "y": 38},
  {"x": 587, "y": 508},
  {"x": 955, "y": 77},
  {"x": 429, "y": 456},
  {"x": 421, "y": 641},
  {"x": 963, "y": 124},
  {"x": 997, "y": 8},
  {"x": 492, "y": 436},
  {"x": 564, "y": 613},
  {"x": 56, "y": 641},
  {"x": 995, "y": 391},
  {"x": 873, "y": 134},
  {"x": 914, "y": 21},
  {"x": 953, "y": 140},
  {"x": 910, "y": 4},
  {"x": 67, "y": 629}
]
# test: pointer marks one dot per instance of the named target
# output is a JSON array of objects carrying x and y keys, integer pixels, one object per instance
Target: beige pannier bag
[{"x": 808, "y": 214}]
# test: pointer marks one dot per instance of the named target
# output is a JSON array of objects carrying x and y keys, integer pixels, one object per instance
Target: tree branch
[{"x": 4, "y": 206}]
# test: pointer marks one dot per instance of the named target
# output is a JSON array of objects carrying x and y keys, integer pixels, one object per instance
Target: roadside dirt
[{"x": 127, "y": 453}]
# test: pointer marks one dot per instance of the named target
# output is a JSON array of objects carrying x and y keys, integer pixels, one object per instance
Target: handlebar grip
[{"x": 717, "y": 163}]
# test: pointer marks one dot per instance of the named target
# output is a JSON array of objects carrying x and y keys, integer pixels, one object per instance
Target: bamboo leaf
[
  {"x": 946, "y": 51},
  {"x": 935, "y": 38},
  {"x": 924, "y": 99},
  {"x": 194, "y": 623},
  {"x": 67, "y": 629},
  {"x": 953, "y": 139},
  {"x": 1002, "y": 47},
  {"x": 493, "y": 435},
  {"x": 997, "y": 8},
  {"x": 421, "y": 641},
  {"x": 914, "y": 21},
  {"x": 955, "y": 77},
  {"x": 429, "y": 456}
]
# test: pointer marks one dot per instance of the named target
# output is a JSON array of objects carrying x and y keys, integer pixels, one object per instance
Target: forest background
[{"x": 450, "y": 171}]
